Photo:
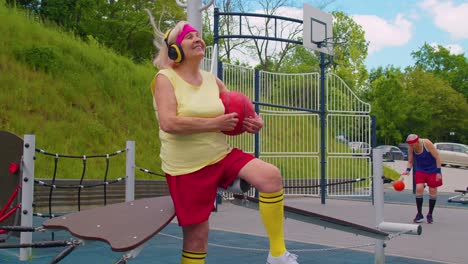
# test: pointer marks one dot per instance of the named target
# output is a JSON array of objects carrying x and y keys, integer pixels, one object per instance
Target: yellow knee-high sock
[
  {"x": 190, "y": 257},
  {"x": 271, "y": 208}
]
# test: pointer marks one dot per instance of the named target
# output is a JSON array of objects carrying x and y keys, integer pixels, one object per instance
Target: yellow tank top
[{"x": 186, "y": 153}]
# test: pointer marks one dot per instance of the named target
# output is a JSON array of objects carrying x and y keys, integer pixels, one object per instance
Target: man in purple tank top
[{"x": 427, "y": 171}]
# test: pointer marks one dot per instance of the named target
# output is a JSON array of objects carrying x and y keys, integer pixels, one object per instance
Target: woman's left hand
[{"x": 253, "y": 124}]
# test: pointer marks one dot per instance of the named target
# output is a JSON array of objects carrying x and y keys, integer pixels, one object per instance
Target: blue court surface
[
  {"x": 224, "y": 248},
  {"x": 407, "y": 197}
]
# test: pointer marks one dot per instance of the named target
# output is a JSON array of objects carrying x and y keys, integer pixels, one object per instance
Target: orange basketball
[
  {"x": 399, "y": 185},
  {"x": 239, "y": 103}
]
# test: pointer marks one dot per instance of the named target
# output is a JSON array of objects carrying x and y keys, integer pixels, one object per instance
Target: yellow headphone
[{"x": 174, "y": 51}]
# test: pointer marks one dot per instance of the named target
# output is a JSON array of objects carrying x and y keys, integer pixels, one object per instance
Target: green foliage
[
  {"x": 435, "y": 108},
  {"x": 78, "y": 98},
  {"x": 449, "y": 67},
  {"x": 389, "y": 104},
  {"x": 39, "y": 58},
  {"x": 300, "y": 60},
  {"x": 350, "y": 51},
  {"x": 120, "y": 25},
  {"x": 416, "y": 101}
]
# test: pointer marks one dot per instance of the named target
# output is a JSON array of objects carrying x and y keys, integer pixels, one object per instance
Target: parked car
[
  {"x": 404, "y": 148},
  {"x": 391, "y": 152},
  {"x": 453, "y": 154},
  {"x": 342, "y": 138},
  {"x": 361, "y": 147}
]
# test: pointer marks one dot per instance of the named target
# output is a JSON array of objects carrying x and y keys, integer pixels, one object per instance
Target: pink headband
[
  {"x": 187, "y": 29},
  {"x": 413, "y": 141}
]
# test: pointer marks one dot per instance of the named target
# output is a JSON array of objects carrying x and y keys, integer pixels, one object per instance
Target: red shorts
[
  {"x": 194, "y": 194},
  {"x": 429, "y": 178}
]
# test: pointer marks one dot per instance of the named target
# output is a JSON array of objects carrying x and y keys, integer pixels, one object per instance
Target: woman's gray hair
[
  {"x": 162, "y": 61},
  {"x": 411, "y": 137},
  {"x": 158, "y": 41}
]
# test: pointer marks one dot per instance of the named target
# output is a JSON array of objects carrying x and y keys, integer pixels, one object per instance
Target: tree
[
  {"x": 300, "y": 60},
  {"x": 415, "y": 101},
  {"x": 435, "y": 109},
  {"x": 350, "y": 51},
  {"x": 270, "y": 54},
  {"x": 120, "y": 25},
  {"x": 123, "y": 25},
  {"x": 389, "y": 104},
  {"x": 228, "y": 25},
  {"x": 438, "y": 60}
]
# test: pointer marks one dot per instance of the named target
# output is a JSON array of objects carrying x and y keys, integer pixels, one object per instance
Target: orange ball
[{"x": 399, "y": 185}]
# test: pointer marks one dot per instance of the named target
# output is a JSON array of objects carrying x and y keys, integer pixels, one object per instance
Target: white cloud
[
  {"x": 381, "y": 33},
  {"x": 448, "y": 17},
  {"x": 454, "y": 49},
  {"x": 292, "y": 12}
]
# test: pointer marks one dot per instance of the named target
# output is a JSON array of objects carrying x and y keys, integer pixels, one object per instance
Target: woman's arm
[
  {"x": 409, "y": 165},
  {"x": 221, "y": 86},
  {"x": 171, "y": 123}
]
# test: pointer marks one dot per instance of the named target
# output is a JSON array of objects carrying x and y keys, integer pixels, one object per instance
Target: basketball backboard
[{"x": 318, "y": 30}]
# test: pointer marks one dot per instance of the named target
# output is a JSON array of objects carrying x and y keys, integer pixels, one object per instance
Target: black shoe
[
  {"x": 429, "y": 219},
  {"x": 419, "y": 218}
]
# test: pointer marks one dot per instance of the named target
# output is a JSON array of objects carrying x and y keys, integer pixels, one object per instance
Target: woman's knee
[
  {"x": 275, "y": 173},
  {"x": 272, "y": 180},
  {"x": 419, "y": 189},
  {"x": 262, "y": 175},
  {"x": 196, "y": 237}
]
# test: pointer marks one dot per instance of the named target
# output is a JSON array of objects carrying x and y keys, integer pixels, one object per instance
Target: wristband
[
  {"x": 439, "y": 170},
  {"x": 408, "y": 169}
]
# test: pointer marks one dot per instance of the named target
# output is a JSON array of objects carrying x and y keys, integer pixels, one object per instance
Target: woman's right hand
[{"x": 227, "y": 122}]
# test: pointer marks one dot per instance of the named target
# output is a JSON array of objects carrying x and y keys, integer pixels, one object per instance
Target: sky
[{"x": 396, "y": 28}]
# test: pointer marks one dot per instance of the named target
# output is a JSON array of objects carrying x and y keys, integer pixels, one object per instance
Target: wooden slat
[{"x": 124, "y": 226}]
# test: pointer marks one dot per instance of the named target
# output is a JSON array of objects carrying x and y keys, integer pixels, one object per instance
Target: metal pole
[
  {"x": 216, "y": 26},
  {"x": 219, "y": 65},
  {"x": 194, "y": 14},
  {"x": 378, "y": 201},
  {"x": 130, "y": 171},
  {"x": 219, "y": 72},
  {"x": 27, "y": 194},
  {"x": 322, "y": 128},
  {"x": 257, "y": 110},
  {"x": 373, "y": 144}
]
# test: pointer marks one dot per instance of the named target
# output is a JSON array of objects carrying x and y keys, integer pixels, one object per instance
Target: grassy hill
[{"x": 76, "y": 97}]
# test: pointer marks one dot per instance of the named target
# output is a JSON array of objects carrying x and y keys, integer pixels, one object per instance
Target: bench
[{"x": 461, "y": 198}]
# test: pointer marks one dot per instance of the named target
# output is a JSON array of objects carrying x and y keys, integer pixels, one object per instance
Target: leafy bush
[{"x": 45, "y": 58}]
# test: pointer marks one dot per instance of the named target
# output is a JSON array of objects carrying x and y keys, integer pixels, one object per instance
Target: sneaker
[
  {"x": 419, "y": 218},
  {"x": 429, "y": 218},
  {"x": 286, "y": 258}
]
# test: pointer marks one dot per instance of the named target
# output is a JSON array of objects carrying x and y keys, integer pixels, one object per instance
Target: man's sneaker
[
  {"x": 419, "y": 218},
  {"x": 286, "y": 258},
  {"x": 429, "y": 219}
]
